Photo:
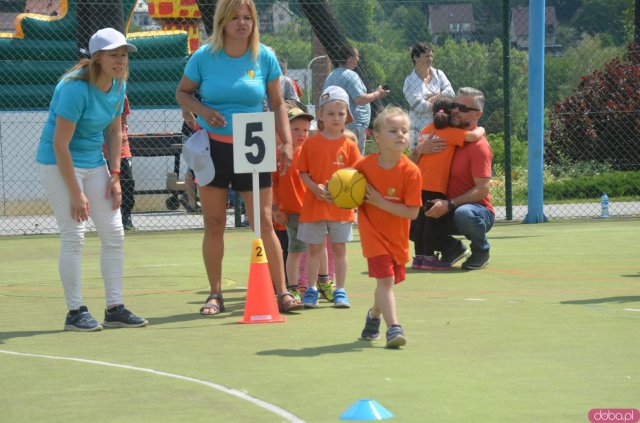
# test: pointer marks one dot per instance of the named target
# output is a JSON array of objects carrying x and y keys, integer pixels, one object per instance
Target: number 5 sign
[{"x": 254, "y": 142}]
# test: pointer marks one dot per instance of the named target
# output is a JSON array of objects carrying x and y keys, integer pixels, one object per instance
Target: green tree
[
  {"x": 603, "y": 16},
  {"x": 355, "y": 17}
]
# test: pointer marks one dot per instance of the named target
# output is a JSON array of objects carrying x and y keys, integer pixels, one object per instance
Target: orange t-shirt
[
  {"x": 383, "y": 233},
  {"x": 435, "y": 167},
  {"x": 288, "y": 189},
  {"x": 320, "y": 157},
  {"x": 125, "y": 149}
]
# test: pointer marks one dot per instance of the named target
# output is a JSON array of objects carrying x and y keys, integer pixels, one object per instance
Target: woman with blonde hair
[
  {"x": 87, "y": 103},
  {"x": 233, "y": 72}
]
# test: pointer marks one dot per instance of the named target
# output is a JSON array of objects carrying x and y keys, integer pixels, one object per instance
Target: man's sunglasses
[{"x": 463, "y": 108}]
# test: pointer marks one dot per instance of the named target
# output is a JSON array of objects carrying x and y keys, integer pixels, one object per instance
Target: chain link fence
[{"x": 592, "y": 100}]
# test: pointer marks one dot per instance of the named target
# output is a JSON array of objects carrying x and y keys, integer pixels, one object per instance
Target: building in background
[{"x": 451, "y": 20}]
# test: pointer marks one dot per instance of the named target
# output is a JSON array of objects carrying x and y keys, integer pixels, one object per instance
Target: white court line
[
  {"x": 632, "y": 309},
  {"x": 242, "y": 395},
  {"x": 475, "y": 299}
]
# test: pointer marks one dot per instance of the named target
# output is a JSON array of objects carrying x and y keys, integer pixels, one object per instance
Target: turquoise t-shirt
[
  {"x": 91, "y": 110},
  {"x": 231, "y": 85}
]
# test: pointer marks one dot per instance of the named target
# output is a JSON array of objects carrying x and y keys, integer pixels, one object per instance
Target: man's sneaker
[
  {"x": 432, "y": 263},
  {"x": 82, "y": 321},
  {"x": 293, "y": 290},
  {"x": 128, "y": 224},
  {"x": 395, "y": 337},
  {"x": 476, "y": 261},
  {"x": 455, "y": 255},
  {"x": 122, "y": 318},
  {"x": 310, "y": 299},
  {"x": 417, "y": 263},
  {"x": 326, "y": 288},
  {"x": 371, "y": 329},
  {"x": 340, "y": 299}
]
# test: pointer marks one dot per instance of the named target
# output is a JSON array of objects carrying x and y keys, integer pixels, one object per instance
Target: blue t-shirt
[
  {"x": 91, "y": 110},
  {"x": 350, "y": 81},
  {"x": 231, "y": 85}
]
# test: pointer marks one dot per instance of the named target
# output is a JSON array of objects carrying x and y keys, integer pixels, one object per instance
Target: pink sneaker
[{"x": 432, "y": 263}]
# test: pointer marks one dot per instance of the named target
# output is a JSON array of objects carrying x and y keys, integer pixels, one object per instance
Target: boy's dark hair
[
  {"x": 418, "y": 49},
  {"x": 442, "y": 111}
]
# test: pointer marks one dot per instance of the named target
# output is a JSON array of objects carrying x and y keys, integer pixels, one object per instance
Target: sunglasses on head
[{"x": 463, "y": 108}]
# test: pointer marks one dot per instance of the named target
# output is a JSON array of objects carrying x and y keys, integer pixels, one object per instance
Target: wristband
[
  {"x": 451, "y": 205},
  {"x": 114, "y": 172}
]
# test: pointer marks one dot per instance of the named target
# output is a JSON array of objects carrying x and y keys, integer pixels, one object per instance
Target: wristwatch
[{"x": 451, "y": 205}]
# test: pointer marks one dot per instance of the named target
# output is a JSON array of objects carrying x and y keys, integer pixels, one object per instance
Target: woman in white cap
[
  {"x": 233, "y": 72},
  {"x": 85, "y": 108}
]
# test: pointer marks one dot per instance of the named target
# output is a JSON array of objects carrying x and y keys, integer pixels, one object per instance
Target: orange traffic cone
[{"x": 261, "y": 305}]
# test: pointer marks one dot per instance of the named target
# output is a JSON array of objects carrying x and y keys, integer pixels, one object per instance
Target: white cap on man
[{"x": 109, "y": 39}]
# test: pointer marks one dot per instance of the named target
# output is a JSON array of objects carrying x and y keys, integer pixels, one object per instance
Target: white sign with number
[{"x": 254, "y": 142}]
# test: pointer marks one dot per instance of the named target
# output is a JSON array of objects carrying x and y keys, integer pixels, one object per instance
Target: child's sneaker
[
  {"x": 371, "y": 329},
  {"x": 122, "y": 318},
  {"x": 310, "y": 299},
  {"x": 395, "y": 337},
  {"x": 82, "y": 321},
  {"x": 417, "y": 263},
  {"x": 293, "y": 290},
  {"x": 326, "y": 289},
  {"x": 340, "y": 299}
]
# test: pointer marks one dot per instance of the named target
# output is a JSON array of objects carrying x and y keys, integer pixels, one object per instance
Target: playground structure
[{"x": 43, "y": 47}]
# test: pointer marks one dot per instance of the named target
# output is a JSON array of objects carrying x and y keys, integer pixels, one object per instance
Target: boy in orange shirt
[
  {"x": 392, "y": 200},
  {"x": 435, "y": 177},
  {"x": 288, "y": 192},
  {"x": 320, "y": 157}
]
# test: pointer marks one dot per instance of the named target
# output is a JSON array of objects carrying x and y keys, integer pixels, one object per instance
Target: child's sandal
[
  {"x": 292, "y": 305},
  {"x": 215, "y": 307}
]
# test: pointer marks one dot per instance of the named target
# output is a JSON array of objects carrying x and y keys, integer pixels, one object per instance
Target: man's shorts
[
  {"x": 222, "y": 156},
  {"x": 295, "y": 245},
  {"x": 384, "y": 267},
  {"x": 315, "y": 232}
]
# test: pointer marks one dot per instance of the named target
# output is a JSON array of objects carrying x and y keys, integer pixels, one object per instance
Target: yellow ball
[{"x": 348, "y": 187}]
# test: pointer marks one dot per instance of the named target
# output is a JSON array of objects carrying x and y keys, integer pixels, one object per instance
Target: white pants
[{"x": 93, "y": 183}]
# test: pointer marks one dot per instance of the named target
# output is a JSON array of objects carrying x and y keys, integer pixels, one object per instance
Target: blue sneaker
[
  {"x": 340, "y": 299},
  {"x": 395, "y": 337},
  {"x": 82, "y": 321},
  {"x": 371, "y": 329},
  {"x": 123, "y": 318},
  {"x": 310, "y": 299}
]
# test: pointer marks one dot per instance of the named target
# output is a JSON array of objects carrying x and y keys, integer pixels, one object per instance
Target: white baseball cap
[
  {"x": 335, "y": 93},
  {"x": 109, "y": 39},
  {"x": 196, "y": 152}
]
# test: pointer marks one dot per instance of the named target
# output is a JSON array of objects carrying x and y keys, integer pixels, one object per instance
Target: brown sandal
[
  {"x": 289, "y": 306},
  {"x": 217, "y": 308}
]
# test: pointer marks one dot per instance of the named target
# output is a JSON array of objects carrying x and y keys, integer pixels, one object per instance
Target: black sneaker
[
  {"x": 455, "y": 255},
  {"x": 476, "y": 261},
  {"x": 395, "y": 337},
  {"x": 82, "y": 321},
  {"x": 128, "y": 224},
  {"x": 122, "y": 318},
  {"x": 371, "y": 329}
]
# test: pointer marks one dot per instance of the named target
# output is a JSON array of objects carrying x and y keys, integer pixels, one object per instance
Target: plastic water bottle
[{"x": 604, "y": 206}]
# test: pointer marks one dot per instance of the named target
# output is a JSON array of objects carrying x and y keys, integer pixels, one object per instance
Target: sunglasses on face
[{"x": 463, "y": 108}]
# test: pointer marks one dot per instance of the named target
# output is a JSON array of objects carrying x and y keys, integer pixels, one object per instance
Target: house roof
[
  {"x": 441, "y": 16},
  {"x": 520, "y": 20}
]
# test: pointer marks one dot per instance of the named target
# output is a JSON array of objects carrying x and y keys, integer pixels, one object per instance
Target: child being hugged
[
  {"x": 435, "y": 177},
  {"x": 320, "y": 157},
  {"x": 392, "y": 200}
]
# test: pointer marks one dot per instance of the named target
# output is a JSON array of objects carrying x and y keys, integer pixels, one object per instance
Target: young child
[
  {"x": 288, "y": 192},
  {"x": 392, "y": 200},
  {"x": 320, "y": 157},
  {"x": 435, "y": 177}
]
